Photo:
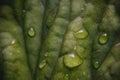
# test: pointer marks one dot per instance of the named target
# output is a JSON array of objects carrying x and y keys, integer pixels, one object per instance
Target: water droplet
[
  {"x": 66, "y": 77},
  {"x": 103, "y": 38},
  {"x": 31, "y": 32},
  {"x": 81, "y": 34},
  {"x": 13, "y": 42},
  {"x": 72, "y": 60},
  {"x": 42, "y": 64},
  {"x": 96, "y": 64}
]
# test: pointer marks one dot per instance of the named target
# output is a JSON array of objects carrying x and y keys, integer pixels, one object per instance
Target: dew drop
[
  {"x": 72, "y": 60},
  {"x": 13, "y": 42},
  {"x": 31, "y": 32},
  {"x": 42, "y": 64},
  {"x": 81, "y": 34},
  {"x": 103, "y": 38},
  {"x": 96, "y": 64}
]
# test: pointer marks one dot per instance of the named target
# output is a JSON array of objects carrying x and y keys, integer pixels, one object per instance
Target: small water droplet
[
  {"x": 13, "y": 42},
  {"x": 72, "y": 55},
  {"x": 96, "y": 64},
  {"x": 42, "y": 64},
  {"x": 103, "y": 38},
  {"x": 72, "y": 60},
  {"x": 31, "y": 32},
  {"x": 66, "y": 77},
  {"x": 81, "y": 34}
]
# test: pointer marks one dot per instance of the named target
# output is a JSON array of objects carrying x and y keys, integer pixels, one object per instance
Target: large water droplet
[
  {"x": 103, "y": 38},
  {"x": 72, "y": 60},
  {"x": 42, "y": 64},
  {"x": 31, "y": 32},
  {"x": 96, "y": 64},
  {"x": 81, "y": 34}
]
